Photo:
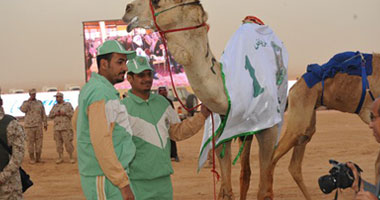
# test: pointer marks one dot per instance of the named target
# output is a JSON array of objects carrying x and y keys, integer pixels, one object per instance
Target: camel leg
[
  {"x": 267, "y": 140},
  {"x": 295, "y": 166},
  {"x": 302, "y": 102},
  {"x": 225, "y": 192},
  {"x": 296, "y": 127},
  {"x": 285, "y": 144},
  {"x": 245, "y": 171}
]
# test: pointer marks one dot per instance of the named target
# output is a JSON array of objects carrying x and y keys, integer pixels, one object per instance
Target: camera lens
[{"x": 327, "y": 183}]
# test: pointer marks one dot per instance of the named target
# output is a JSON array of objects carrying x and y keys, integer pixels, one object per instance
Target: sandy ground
[{"x": 339, "y": 136}]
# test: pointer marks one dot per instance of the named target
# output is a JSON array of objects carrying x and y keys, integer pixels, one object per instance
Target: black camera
[{"x": 341, "y": 176}]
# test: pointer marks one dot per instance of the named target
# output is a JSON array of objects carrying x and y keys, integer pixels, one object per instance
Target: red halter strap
[
  {"x": 162, "y": 33},
  {"x": 173, "y": 30}
]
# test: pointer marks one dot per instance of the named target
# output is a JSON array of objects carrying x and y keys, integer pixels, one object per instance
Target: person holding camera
[
  {"x": 345, "y": 175},
  {"x": 365, "y": 190},
  {"x": 12, "y": 137}
]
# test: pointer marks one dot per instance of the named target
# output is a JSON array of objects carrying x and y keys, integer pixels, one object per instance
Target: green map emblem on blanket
[
  {"x": 257, "y": 89},
  {"x": 281, "y": 70}
]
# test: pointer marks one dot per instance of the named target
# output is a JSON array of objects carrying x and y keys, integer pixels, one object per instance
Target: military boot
[
  {"x": 38, "y": 158},
  {"x": 72, "y": 160},
  {"x": 32, "y": 159},
  {"x": 59, "y": 160}
]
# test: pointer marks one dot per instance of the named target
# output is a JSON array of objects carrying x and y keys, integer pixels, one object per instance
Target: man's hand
[
  {"x": 205, "y": 111},
  {"x": 355, "y": 184},
  {"x": 361, "y": 194},
  {"x": 365, "y": 195},
  {"x": 127, "y": 193}
]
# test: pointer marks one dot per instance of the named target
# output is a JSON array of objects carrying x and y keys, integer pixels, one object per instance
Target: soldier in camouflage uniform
[
  {"x": 14, "y": 136},
  {"x": 35, "y": 118},
  {"x": 62, "y": 112}
]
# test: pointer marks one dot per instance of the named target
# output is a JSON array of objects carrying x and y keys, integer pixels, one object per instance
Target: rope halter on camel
[{"x": 162, "y": 34}]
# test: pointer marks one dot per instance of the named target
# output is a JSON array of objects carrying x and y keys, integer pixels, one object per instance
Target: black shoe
[{"x": 176, "y": 159}]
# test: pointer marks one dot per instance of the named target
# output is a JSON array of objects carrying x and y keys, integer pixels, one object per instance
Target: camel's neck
[{"x": 191, "y": 49}]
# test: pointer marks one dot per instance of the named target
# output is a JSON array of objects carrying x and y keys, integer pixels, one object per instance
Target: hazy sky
[{"x": 41, "y": 41}]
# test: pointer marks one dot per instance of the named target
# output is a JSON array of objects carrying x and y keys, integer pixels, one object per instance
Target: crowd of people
[{"x": 146, "y": 44}]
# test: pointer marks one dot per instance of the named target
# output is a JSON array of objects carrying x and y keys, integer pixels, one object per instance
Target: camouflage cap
[
  {"x": 32, "y": 91},
  {"x": 113, "y": 46},
  {"x": 138, "y": 65},
  {"x": 59, "y": 94}
]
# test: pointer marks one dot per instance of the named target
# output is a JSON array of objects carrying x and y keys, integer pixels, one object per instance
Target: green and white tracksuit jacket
[
  {"x": 154, "y": 122},
  {"x": 104, "y": 141}
]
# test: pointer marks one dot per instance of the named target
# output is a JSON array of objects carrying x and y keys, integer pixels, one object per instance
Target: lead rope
[
  {"x": 215, "y": 174},
  {"x": 167, "y": 63}
]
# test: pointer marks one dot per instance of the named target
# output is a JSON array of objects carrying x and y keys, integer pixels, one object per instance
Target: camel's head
[
  {"x": 169, "y": 14},
  {"x": 138, "y": 15}
]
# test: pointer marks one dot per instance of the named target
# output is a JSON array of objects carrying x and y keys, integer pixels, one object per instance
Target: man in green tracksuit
[
  {"x": 154, "y": 122},
  {"x": 104, "y": 141}
]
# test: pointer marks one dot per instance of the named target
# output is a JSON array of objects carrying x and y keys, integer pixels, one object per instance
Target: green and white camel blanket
[{"x": 254, "y": 68}]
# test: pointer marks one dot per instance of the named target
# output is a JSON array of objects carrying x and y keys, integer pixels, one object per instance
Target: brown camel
[
  {"x": 342, "y": 92},
  {"x": 191, "y": 49}
]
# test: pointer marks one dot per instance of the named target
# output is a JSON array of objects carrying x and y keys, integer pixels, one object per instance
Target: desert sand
[{"x": 340, "y": 136}]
